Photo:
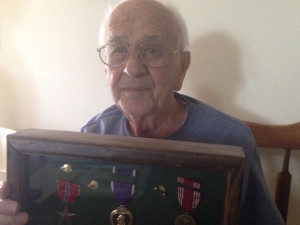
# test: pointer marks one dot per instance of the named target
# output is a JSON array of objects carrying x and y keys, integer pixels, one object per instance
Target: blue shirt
[{"x": 205, "y": 124}]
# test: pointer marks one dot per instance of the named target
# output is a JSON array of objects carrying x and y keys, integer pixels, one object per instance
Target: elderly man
[{"x": 145, "y": 54}]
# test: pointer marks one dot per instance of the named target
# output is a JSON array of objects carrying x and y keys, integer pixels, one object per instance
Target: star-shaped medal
[{"x": 65, "y": 216}]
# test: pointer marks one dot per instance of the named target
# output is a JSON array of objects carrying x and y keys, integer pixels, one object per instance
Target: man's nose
[{"x": 134, "y": 65}]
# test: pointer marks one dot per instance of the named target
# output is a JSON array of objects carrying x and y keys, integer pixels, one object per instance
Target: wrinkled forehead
[{"x": 146, "y": 19}]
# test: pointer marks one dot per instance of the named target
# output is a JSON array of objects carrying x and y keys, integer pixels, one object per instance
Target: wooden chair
[{"x": 284, "y": 137}]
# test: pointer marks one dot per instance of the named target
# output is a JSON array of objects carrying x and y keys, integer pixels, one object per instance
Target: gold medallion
[
  {"x": 121, "y": 216},
  {"x": 185, "y": 219}
]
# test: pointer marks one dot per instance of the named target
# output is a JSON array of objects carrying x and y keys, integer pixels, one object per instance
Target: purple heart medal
[
  {"x": 188, "y": 199},
  {"x": 122, "y": 193}
]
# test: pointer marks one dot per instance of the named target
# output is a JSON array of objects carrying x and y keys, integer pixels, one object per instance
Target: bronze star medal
[
  {"x": 65, "y": 216},
  {"x": 67, "y": 193}
]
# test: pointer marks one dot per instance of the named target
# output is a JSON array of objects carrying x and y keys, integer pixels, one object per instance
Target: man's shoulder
[
  {"x": 210, "y": 115},
  {"x": 104, "y": 121},
  {"x": 209, "y": 124}
]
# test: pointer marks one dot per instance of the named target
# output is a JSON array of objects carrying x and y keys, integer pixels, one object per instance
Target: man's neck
[{"x": 161, "y": 126}]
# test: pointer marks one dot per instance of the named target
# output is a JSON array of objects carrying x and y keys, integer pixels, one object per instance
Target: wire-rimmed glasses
[{"x": 152, "y": 55}]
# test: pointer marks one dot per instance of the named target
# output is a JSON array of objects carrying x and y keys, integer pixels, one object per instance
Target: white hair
[{"x": 177, "y": 20}]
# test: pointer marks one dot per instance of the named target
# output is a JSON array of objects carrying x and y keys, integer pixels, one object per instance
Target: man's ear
[
  {"x": 106, "y": 75},
  {"x": 185, "y": 59},
  {"x": 105, "y": 70}
]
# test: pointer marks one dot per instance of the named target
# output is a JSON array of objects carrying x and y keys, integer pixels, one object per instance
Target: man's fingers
[
  {"x": 8, "y": 206},
  {"x": 18, "y": 219},
  {"x": 4, "y": 189},
  {"x": 9, "y": 209}
]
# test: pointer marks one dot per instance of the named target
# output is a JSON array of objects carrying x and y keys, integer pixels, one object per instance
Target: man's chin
[
  {"x": 136, "y": 93},
  {"x": 135, "y": 110}
]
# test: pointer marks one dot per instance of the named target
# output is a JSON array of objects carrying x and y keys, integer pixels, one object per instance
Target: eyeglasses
[{"x": 151, "y": 55}]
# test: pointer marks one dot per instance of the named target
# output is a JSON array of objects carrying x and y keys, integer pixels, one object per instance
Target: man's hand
[{"x": 10, "y": 210}]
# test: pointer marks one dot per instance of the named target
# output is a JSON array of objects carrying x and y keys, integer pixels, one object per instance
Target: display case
[{"x": 73, "y": 178}]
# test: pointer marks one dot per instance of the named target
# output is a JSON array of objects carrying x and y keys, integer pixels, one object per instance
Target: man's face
[{"x": 139, "y": 90}]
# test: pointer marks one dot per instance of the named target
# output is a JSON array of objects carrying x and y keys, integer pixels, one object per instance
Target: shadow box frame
[{"x": 227, "y": 160}]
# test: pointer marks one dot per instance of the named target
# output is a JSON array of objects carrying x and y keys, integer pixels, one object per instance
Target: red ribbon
[
  {"x": 188, "y": 198},
  {"x": 188, "y": 183},
  {"x": 67, "y": 191}
]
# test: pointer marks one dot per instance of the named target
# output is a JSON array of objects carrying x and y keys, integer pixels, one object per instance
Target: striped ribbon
[
  {"x": 188, "y": 183},
  {"x": 187, "y": 197},
  {"x": 67, "y": 191},
  {"x": 123, "y": 191}
]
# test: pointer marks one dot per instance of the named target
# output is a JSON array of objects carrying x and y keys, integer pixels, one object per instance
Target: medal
[
  {"x": 121, "y": 216},
  {"x": 65, "y": 216},
  {"x": 122, "y": 193},
  {"x": 67, "y": 192},
  {"x": 188, "y": 199},
  {"x": 185, "y": 219}
]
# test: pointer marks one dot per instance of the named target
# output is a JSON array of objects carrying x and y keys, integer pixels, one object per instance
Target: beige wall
[{"x": 245, "y": 61}]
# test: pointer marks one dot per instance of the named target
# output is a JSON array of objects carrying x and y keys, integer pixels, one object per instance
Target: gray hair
[{"x": 179, "y": 24}]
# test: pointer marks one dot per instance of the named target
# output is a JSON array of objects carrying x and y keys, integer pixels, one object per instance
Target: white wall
[{"x": 245, "y": 61}]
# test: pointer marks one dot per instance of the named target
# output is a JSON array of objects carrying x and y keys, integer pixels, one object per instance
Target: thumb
[{"x": 4, "y": 189}]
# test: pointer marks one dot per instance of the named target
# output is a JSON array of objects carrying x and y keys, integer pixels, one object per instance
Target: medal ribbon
[
  {"x": 187, "y": 197},
  {"x": 188, "y": 183},
  {"x": 124, "y": 171},
  {"x": 67, "y": 191},
  {"x": 123, "y": 191}
]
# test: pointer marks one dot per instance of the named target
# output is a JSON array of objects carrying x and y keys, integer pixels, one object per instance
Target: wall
[{"x": 245, "y": 62}]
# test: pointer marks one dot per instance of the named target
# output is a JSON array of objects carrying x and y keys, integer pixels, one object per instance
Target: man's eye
[
  {"x": 119, "y": 50},
  {"x": 152, "y": 50}
]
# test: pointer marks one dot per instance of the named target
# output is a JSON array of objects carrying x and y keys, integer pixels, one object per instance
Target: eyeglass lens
[{"x": 151, "y": 55}]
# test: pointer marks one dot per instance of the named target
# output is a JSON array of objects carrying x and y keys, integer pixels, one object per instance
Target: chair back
[{"x": 285, "y": 137}]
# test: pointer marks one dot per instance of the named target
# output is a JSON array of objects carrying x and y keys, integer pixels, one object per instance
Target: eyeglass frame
[{"x": 138, "y": 47}]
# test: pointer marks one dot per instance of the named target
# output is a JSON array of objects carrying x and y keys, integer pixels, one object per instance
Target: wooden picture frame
[{"x": 40, "y": 161}]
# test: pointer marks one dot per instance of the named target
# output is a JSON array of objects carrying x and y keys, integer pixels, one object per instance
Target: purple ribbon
[
  {"x": 124, "y": 171},
  {"x": 123, "y": 191}
]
